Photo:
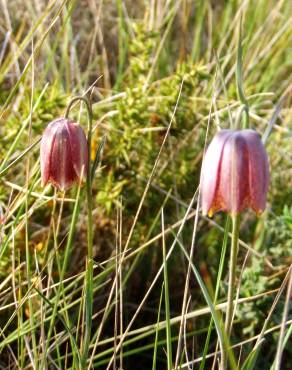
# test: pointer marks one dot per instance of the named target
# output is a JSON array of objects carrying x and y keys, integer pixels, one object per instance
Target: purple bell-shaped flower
[
  {"x": 235, "y": 173},
  {"x": 64, "y": 154}
]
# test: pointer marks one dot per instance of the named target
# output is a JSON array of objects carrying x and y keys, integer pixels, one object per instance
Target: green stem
[
  {"x": 89, "y": 271},
  {"x": 239, "y": 80},
  {"x": 89, "y": 268},
  {"x": 219, "y": 276},
  {"x": 231, "y": 283},
  {"x": 89, "y": 110}
]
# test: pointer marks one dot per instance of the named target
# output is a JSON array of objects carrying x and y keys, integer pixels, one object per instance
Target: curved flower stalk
[
  {"x": 89, "y": 268},
  {"x": 65, "y": 160},
  {"x": 235, "y": 176}
]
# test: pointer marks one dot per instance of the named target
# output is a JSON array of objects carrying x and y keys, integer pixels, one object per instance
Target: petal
[
  {"x": 79, "y": 148},
  {"x": 62, "y": 173},
  {"x": 234, "y": 174},
  {"x": 258, "y": 170},
  {"x": 46, "y": 149},
  {"x": 211, "y": 170}
]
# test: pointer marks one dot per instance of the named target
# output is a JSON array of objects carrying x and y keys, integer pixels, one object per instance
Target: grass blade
[
  {"x": 166, "y": 298},
  {"x": 157, "y": 332}
]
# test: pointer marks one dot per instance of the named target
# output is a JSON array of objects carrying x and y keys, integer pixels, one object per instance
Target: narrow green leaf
[
  {"x": 166, "y": 297},
  {"x": 223, "y": 340},
  {"x": 97, "y": 157},
  {"x": 250, "y": 362},
  {"x": 157, "y": 332},
  {"x": 219, "y": 276},
  {"x": 68, "y": 330}
]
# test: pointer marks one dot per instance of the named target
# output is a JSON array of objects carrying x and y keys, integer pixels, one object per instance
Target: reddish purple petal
[
  {"x": 258, "y": 170},
  {"x": 234, "y": 174},
  {"x": 62, "y": 173},
  {"x": 46, "y": 149},
  {"x": 79, "y": 148},
  {"x": 210, "y": 171}
]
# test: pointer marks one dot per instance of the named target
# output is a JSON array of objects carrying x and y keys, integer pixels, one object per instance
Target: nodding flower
[
  {"x": 64, "y": 154},
  {"x": 235, "y": 173}
]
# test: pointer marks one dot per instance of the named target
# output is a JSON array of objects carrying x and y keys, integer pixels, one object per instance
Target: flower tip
[
  {"x": 207, "y": 213},
  {"x": 44, "y": 182},
  {"x": 259, "y": 212}
]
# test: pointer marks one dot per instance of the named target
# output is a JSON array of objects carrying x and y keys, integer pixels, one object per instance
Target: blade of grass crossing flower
[
  {"x": 166, "y": 297},
  {"x": 219, "y": 276},
  {"x": 157, "y": 331}
]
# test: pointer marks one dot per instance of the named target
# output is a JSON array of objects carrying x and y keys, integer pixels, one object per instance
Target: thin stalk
[
  {"x": 56, "y": 229},
  {"x": 89, "y": 270},
  {"x": 239, "y": 80},
  {"x": 166, "y": 297},
  {"x": 280, "y": 348},
  {"x": 157, "y": 331},
  {"x": 231, "y": 283},
  {"x": 34, "y": 360},
  {"x": 219, "y": 276}
]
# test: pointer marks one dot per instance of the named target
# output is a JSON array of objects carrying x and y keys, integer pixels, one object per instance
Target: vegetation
[{"x": 163, "y": 76}]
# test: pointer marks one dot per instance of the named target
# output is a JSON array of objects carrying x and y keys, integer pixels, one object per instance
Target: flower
[
  {"x": 235, "y": 173},
  {"x": 64, "y": 154}
]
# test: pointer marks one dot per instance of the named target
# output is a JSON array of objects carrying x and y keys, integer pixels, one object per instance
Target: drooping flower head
[
  {"x": 64, "y": 154},
  {"x": 235, "y": 173}
]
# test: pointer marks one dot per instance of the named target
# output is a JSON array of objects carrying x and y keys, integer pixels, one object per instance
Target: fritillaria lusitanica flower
[
  {"x": 235, "y": 173},
  {"x": 64, "y": 154}
]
